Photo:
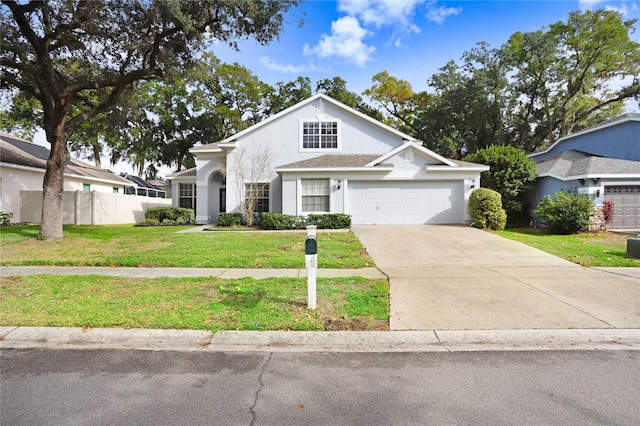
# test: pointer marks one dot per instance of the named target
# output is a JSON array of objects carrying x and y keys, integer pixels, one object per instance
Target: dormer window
[{"x": 319, "y": 135}]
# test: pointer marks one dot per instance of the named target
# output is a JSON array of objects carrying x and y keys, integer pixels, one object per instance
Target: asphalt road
[{"x": 64, "y": 387}]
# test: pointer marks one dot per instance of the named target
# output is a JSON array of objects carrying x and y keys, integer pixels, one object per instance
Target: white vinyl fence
[{"x": 92, "y": 208}]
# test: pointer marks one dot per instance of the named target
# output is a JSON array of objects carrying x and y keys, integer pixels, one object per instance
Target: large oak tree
[{"x": 77, "y": 58}]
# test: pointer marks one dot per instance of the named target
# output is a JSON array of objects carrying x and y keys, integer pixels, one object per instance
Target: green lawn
[
  {"x": 586, "y": 249},
  {"x": 195, "y": 303},
  {"x": 126, "y": 245}
]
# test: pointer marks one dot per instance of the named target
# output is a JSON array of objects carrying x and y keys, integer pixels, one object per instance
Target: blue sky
[{"x": 411, "y": 39}]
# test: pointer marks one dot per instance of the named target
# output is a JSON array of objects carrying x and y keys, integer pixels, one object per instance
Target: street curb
[{"x": 319, "y": 341}]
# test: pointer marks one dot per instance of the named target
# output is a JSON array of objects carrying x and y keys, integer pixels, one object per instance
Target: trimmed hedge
[
  {"x": 330, "y": 221},
  {"x": 229, "y": 219},
  {"x": 485, "y": 209},
  {"x": 279, "y": 221},
  {"x": 169, "y": 216}
]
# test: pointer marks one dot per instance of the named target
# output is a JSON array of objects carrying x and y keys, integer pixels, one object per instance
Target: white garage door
[
  {"x": 401, "y": 202},
  {"x": 626, "y": 206}
]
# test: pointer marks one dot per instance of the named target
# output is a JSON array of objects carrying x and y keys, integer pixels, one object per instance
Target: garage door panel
[
  {"x": 626, "y": 206},
  {"x": 406, "y": 202}
]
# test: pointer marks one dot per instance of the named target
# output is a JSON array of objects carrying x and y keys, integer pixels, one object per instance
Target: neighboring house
[
  {"x": 22, "y": 168},
  {"x": 328, "y": 158},
  {"x": 139, "y": 186},
  {"x": 603, "y": 162}
]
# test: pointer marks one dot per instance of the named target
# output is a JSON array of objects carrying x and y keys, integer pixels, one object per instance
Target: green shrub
[
  {"x": 279, "y": 221},
  {"x": 485, "y": 208},
  {"x": 229, "y": 219},
  {"x": 566, "y": 213},
  {"x": 330, "y": 220},
  {"x": 169, "y": 216},
  {"x": 5, "y": 218},
  {"x": 512, "y": 174}
]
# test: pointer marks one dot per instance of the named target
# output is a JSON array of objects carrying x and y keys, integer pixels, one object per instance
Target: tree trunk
[{"x": 53, "y": 185}]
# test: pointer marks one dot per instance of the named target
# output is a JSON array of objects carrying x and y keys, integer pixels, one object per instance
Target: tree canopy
[{"x": 77, "y": 58}]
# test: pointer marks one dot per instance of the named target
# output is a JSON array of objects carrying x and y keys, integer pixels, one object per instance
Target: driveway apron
[{"x": 461, "y": 278}]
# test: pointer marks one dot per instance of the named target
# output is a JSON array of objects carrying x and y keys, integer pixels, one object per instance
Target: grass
[
  {"x": 126, "y": 245},
  {"x": 602, "y": 249},
  {"x": 195, "y": 303}
]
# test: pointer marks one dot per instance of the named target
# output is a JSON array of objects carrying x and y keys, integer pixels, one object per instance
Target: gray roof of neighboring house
[
  {"x": 576, "y": 163},
  {"x": 333, "y": 161},
  {"x": 14, "y": 150}
]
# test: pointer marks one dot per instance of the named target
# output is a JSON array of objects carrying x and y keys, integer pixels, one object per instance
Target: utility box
[
  {"x": 311, "y": 245},
  {"x": 633, "y": 247}
]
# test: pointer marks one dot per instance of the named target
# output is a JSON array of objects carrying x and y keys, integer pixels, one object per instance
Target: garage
[
  {"x": 626, "y": 206},
  {"x": 406, "y": 202}
]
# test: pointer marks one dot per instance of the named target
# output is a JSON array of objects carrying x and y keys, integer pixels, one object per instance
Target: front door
[{"x": 223, "y": 200}]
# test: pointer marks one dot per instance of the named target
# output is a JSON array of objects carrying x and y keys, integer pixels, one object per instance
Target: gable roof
[
  {"x": 419, "y": 148},
  {"x": 624, "y": 118},
  {"x": 216, "y": 147},
  {"x": 571, "y": 165},
  {"x": 20, "y": 152},
  {"x": 335, "y": 161}
]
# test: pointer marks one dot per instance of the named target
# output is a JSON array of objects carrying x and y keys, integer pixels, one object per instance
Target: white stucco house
[
  {"x": 22, "y": 168},
  {"x": 325, "y": 157}
]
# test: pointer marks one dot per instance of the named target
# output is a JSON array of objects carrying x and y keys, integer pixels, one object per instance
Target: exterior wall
[
  {"x": 12, "y": 182},
  {"x": 15, "y": 179},
  {"x": 282, "y": 137},
  {"x": 92, "y": 208},
  {"x": 620, "y": 141}
]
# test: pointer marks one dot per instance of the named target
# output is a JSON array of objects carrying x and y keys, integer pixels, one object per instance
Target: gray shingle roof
[
  {"x": 333, "y": 161},
  {"x": 183, "y": 173},
  {"x": 577, "y": 163},
  {"x": 14, "y": 150}
]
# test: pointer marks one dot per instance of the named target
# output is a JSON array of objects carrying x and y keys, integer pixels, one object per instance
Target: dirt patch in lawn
[{"x": 356, "y": 324}]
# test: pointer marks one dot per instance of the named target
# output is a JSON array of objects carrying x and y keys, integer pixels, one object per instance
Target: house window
[
  {"x": 187, "y": 195},
  {"x": 115, "y": 190},
  {"x": 86, "y": 187},
  {"x": 319, "y": 135},
  {"x": 315, "y": 195},
  {"x": 259, "y": 194}
]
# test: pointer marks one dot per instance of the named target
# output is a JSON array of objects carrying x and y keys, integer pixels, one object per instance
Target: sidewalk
[
  {"x": 7, "y": 271},
  {"x": 428, "y": 340}
]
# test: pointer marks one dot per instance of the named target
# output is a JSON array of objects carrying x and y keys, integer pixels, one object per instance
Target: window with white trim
[
  {"x": 187, "y": 195},
  {"x": 259, "y": 194},
  {"x": 320, "y": 135},
  {"x": 315, "y": 195}
]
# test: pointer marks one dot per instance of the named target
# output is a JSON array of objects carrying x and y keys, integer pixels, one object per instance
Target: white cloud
[
  {"x": 382, "y": 12},
  {"x": 628, "y": 10},
  {"x": 345, "y": 41},
  {"x": 274, "y": 66},
  {"x": 438, "y": 14}
]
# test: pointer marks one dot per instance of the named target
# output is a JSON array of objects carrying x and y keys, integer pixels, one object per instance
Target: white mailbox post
[{"x": 311, "y": 263}]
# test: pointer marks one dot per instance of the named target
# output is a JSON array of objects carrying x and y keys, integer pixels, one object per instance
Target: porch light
[
  {"x": 472, "y": 184},
  {"x": 339, "y": 184}
]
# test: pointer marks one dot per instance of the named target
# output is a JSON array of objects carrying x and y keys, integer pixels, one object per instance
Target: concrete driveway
[{"x": 462, "y": 278}]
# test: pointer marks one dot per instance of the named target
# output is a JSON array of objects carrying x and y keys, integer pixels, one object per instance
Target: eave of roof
[
  {"x": 624, "y": 118},
  {"x": 571, "y": 165},
  {"x": 228, "y": 142},
  {"x": 183, "y": 173},
  {"x": 17, "y": 151}
]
